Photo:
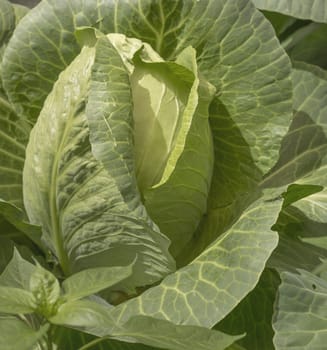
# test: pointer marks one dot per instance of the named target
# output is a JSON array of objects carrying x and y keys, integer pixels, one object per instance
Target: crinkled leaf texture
[
  {"x": 87, "y": 219},
  {"x": 207, "y": 289},
  {"x": 13, "y": 131},
  {"x": 13, "y": 139}
]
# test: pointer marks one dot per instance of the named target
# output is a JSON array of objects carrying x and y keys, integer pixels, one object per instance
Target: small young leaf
[
  {"x": 46, "y": 290},
  {"x": 91, "y": 281},
  {"x": 16, "y": 301},
  {"x": 17, "y": 273},
  {"x": 85, "y": 315}
]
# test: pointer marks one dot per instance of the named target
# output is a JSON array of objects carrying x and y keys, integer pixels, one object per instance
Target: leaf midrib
[{"x": 54, "y": 213}]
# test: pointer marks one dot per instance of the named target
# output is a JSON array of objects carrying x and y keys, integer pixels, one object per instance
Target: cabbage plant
[{"x": 163, "y": 177}]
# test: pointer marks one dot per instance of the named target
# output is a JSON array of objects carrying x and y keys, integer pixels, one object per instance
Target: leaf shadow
[{"x": 234, "y": 186}]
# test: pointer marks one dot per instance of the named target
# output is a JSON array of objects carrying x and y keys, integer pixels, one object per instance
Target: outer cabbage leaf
[
  {"x": 13, "y": 133},
  {"x": 240, "y": 44},
  {"x": 97, "y": 320},
  {"x": 109, "y": 114},
  {"x": 315, "y": 10},
  {"x": 13, "y": 139},
  {"x": 300, "y": 319},
  {"x": 163, "y": 334},
  {"x": 86, "y": 218},
  {"x": 206, "y": 290}
]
